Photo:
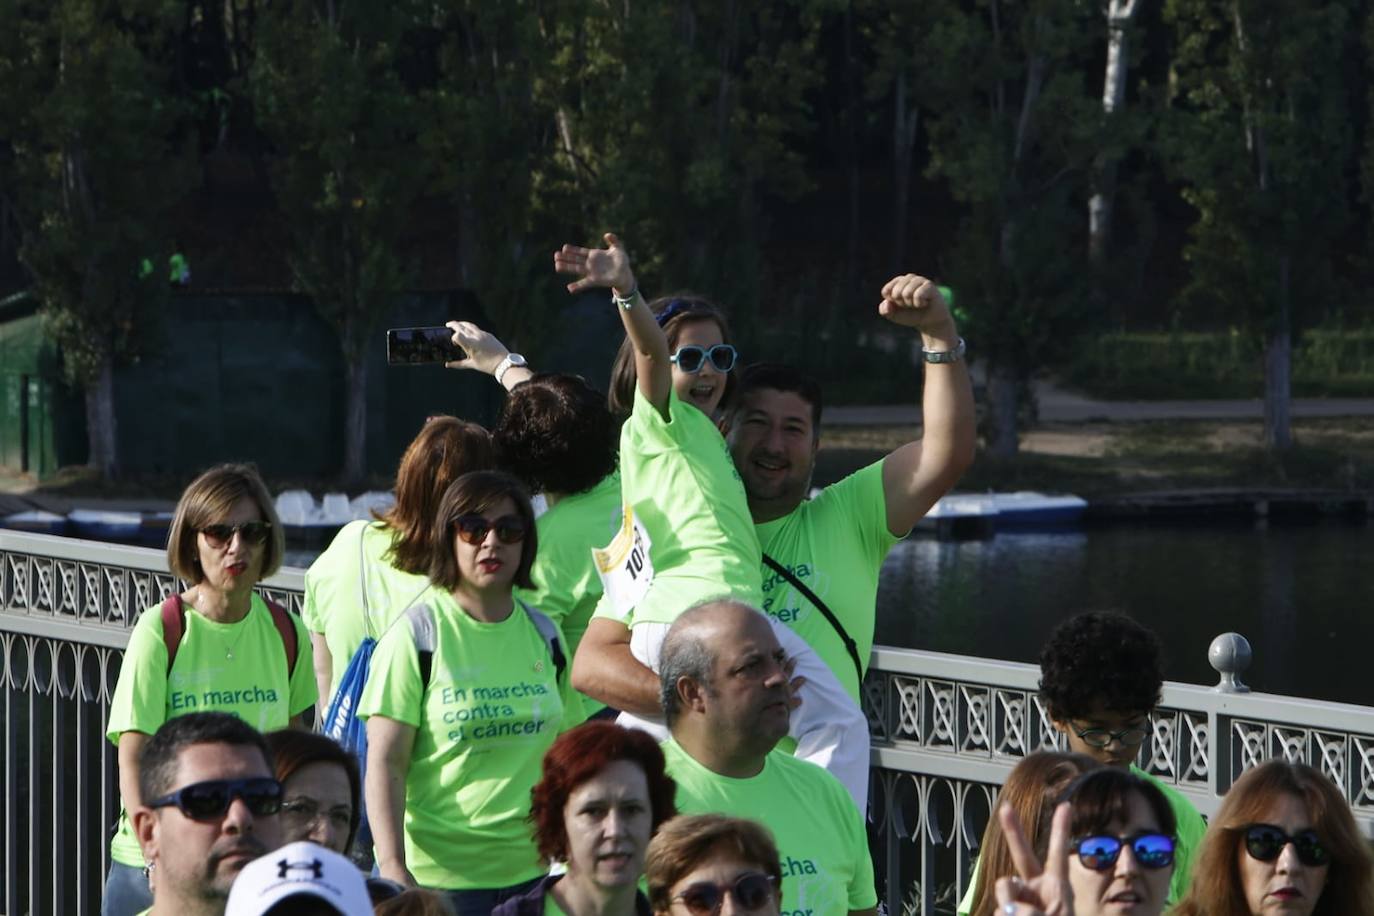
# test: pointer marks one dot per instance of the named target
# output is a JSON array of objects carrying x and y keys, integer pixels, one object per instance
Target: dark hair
[
  {"x": 687, "y": 308},
  {"x": 294, "y": 749},
  {"x": 208, "y": 500},
  {"x": 475, "y": 493},
  {"x": 1101, "y": 660},
  {"x": 1032, "y": 789},
  {"x": 157, "y": 761},
  {"x": 779, "y": 377},
  {"x": 1215, "y": 889},
  {"x": 577, "y": 756},
  {"x": 1099, "y": 797},
  {"x": 556, "y": 434},
  {"x": 685, "y": 841},
  {"x": 443, "y": 450},
  {"x": 415, "y": 901}
]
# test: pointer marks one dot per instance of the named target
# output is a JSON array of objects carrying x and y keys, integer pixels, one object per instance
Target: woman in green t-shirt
[
  {"x": 215, "y": 646},
  {"x": 465, "y": 694}
]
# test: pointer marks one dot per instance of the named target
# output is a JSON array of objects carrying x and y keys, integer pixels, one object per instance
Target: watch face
[{"x": 516, "y": 359}]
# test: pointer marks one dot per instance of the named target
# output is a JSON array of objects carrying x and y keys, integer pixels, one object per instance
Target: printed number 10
[{"x": 635, "y": 564}]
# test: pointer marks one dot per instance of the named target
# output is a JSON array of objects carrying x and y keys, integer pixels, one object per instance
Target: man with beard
[
  {"x": 822, "y": 556},
  {"x": 211, "y": 808},
  {"x": 725, "y": 695}
]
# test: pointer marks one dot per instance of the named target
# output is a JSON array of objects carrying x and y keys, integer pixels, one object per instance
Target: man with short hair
[
  {"x": 210, "y": 807},
  {"x": 1100, "y": 678},
  {"x": 726, "y": 699}
]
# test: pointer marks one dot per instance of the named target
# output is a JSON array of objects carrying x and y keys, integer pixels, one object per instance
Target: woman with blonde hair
[
  {"x": 217, "y": 646},
  {"x": 1283, "y": 841}
]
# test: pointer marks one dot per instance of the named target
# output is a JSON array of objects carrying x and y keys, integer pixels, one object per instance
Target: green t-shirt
[
  {"x": 826, "y": 867},
  {"x": 680, "y": 479},
  {"x": 835, "y": 544},
  {"x": 566, "y": 586},
  {"x": 492, "y": 708},
  {"x": 334, "y": 586},
  {"x": 253, "y": 685},
  {"x": 1188, "y": 831},
  {"x": 551, "y": 907}
]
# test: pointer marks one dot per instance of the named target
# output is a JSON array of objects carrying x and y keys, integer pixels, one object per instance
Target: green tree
[
  {"x": 96, "y": 162},
  {"x": 1013, "y": 131},
  {"x": 326, "y": 84},
  {"x": 1260, "y": 134}
]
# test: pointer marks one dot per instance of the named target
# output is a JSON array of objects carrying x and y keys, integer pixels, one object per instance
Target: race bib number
[{"x": 624, "y": 565}]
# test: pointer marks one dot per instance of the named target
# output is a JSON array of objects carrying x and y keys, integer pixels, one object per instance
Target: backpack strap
[
  {"x": 549, "y": 630},
  {"x": 173, "y": 626},
  {"x": 286, "y": 628},
  {"x": 422, "y": 631},
  {"x": 850, "y": 646}
]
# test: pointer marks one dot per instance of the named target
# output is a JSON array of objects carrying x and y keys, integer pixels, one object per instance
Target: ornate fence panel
[{"x": 946, "y": 730}]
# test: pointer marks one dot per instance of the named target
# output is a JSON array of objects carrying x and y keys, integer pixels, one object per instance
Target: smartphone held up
[{"x": 420, "y": 346}]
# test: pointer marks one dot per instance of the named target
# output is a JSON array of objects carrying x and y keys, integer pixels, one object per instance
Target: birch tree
[{"x": 1101, "y": 205}]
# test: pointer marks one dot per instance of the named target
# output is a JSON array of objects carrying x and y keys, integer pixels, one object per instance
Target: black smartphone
[{"x": 417, "y": 346}]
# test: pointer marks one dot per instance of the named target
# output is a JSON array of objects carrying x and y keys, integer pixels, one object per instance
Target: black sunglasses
[
  {"x": 1100, "y": 852},
  {"x": 204, "y": 801},
  {"x": 751, "y": 892},
  {"x": 510, "y": 529},
  {"x": 1265, "y": 842},
  {"x": 691, "y": 358},
  {"x": 251, "y": 532},
  {"x": 1101, "y": 737}
]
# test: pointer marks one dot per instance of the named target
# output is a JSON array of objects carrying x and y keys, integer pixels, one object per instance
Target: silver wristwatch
[
  {"x": 511, "y": 360},
  {"x": 945, "y": 356}
]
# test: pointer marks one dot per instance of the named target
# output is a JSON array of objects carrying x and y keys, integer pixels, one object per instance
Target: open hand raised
[
  {"x": 607, "y": 267},
  {"x": 1033, "y": 890}
]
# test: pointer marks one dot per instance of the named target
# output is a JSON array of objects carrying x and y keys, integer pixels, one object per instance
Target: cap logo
[{"x": 316, "y": 868}]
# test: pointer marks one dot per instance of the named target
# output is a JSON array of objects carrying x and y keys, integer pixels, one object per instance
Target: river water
[{"x": 1302, "y": 595}]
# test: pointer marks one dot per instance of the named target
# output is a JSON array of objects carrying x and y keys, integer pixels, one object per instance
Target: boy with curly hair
[{"x": 1100, "y": 678}]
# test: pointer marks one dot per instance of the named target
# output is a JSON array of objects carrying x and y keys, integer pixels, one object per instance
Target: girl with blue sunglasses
[{"x": 686, "y": 535}]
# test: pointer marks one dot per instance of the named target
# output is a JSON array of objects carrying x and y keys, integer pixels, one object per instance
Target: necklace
[{"x": 230, "y": 647}]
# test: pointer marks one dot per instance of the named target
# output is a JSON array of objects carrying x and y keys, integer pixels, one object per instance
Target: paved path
[{"x": 1060, "y": 406}]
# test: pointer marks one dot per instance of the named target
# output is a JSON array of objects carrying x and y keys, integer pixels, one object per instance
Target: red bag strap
[
  {"x": 281, "y": 618},
  {"x": 173, "y": 626}
]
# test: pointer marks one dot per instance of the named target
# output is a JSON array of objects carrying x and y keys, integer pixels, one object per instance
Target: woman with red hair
[{"x": 602, "y": 795}]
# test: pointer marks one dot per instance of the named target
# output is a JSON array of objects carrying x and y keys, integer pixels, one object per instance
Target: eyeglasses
[
  {"x": 1265, "y": 842},
  {"x": 751, "y": 892},
  {"x": 204, "y": 801},
  {"x": 691, "y": 358},
  {"x": 1151, "y": 850},
  {"x": 1101, "y": 737},
  {"x": 304, "y": 810},
  {"x": 252, "y": 533},
  {"x": 510, "y": 529}
]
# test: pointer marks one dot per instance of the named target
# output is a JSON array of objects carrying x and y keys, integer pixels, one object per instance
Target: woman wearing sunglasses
[
  {"x": 467, "y": 691},
  {"x": 1284, "y": 841},
  {"x": 603, "y": 794},
  {"x": 215, "y": 646},
  {"x": 708, "y": 864}
]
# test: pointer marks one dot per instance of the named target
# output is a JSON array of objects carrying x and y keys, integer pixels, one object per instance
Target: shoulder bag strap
[
  {"x": 820, "y": 605},
  {"x": 173, "y": 626}
]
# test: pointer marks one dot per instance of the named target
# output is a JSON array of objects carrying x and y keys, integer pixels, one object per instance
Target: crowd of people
[{"x": 645, "y": 697}]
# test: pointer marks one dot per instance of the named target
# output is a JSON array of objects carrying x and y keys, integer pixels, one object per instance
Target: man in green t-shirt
[
  {"x": 211, "y": 808},
  {"x": 726, "y": 701},
  {"x": 834, "y": 544}
]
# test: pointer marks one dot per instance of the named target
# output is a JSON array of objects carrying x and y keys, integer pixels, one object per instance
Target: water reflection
[{"x": 1301, "y": 595}]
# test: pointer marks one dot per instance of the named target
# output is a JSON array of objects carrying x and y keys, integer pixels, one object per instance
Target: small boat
[
  {"x": 105, "y": 524},
  {"x": 36, "y": 521},
  {"x": 980, "y": 515}
]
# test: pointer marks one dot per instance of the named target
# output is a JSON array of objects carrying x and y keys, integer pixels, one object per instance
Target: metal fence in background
[{"x": 946, "y": 731}]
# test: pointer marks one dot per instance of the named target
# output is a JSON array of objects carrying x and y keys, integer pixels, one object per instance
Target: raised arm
[
  {"x": 605, "y": 669},
  {"x": 916, "y": 475},
  {"x": 609, "y": 268},
  {"x": 485, "y": 354}
]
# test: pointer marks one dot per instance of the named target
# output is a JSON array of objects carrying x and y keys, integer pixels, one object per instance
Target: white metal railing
[{"x": 946, "y": 730}]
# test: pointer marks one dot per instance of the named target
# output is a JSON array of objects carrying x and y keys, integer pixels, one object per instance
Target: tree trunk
[
  {"x": 905, "y": 121},
  {"x": 1004, "y": 396},
  {"x": 355, "y": 419},
  {"x": 1278, "y": 372},
  {"x": 1103, "y": 201},
  {"x": 100, "y": 421}
]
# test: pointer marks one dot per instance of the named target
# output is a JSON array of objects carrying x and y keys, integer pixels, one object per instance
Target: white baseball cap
[{"x": 299, "y": 869}]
